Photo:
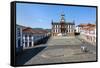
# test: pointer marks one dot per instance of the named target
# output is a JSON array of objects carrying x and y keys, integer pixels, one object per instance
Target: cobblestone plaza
[{"x": 59, "y": 50}]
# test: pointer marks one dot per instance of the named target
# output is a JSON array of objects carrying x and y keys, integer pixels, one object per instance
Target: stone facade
[{"x": 63, "y": 28}]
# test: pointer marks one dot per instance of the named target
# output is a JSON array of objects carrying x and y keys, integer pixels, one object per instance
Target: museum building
[{"x": 63, "y": 28}]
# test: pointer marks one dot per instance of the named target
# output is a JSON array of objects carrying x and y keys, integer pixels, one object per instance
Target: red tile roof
[
  {"x": 88, "y": 26},
  {"x": 34, "y": 31},
  {"x": 85, "y": 25}
]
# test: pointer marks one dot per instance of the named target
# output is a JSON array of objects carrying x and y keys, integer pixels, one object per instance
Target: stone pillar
[
  {"x": 21, "y": 37},
  {"x": 68, "y": 28},
  {"x": 27, "y": 40},
  {"x": 23, "y": 41},
  {"x": 32, "y": 40}
]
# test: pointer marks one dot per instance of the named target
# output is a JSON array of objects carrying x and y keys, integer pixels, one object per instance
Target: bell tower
[
  {"x": 62, "y": 23},
  {"x": 62, "y": 18}
]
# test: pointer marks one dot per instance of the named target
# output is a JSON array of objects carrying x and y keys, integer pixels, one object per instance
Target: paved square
[{"x": 63, "y": 49}]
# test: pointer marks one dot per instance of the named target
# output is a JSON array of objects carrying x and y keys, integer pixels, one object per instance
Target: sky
[{"x": 41, "y": 16}]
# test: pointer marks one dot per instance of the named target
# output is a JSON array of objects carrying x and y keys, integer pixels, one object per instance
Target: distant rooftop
[
  {"x": 34, "y": 31},
  {"x": 88, "y": 26}
]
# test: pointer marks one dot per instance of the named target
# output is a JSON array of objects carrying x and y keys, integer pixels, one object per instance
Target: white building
[
  {"x": 31, "y": 37},
  {"x": 78, "y": 29},
  {"x": 89, "y": 32},
  {"x": 18, "y": 39},
  {"x": 63, "y": 28},
  {"x": 91, "y": 35}
]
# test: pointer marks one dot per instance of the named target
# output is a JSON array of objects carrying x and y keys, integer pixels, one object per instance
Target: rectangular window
[
  {"x": 30, "y": 44},
  {"x": 55, "y": 26},
  {"x": 18, "y": 32},
  {"x": 53, "y": 30},
  {"x": 25, "y": 44}
]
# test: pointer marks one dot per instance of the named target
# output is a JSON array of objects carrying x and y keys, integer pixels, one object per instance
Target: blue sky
[{"x": 40, "y": 16}]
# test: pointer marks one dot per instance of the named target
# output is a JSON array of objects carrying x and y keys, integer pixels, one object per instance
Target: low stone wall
[
  {"x": 68, "y": 34},
  {"x": 42, "y": 41}
]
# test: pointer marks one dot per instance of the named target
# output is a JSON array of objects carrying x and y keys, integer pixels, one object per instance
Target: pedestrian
[{"x": 83, "y": 47}]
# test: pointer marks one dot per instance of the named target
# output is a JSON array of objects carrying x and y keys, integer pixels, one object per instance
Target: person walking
[{"x": 83, "y": 47}]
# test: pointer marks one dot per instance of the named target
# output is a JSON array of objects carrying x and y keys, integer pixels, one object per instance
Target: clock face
[{"x": 62, "y": 20}]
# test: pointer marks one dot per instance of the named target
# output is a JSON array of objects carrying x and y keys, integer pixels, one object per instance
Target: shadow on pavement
[{"x": 27, "y": 55}]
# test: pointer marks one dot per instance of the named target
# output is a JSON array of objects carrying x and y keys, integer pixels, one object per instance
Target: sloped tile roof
[{"x": 34, "y": 31}]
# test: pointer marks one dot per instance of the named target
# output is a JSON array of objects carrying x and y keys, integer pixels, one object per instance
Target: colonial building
[
  {"x": 63, "y": 28},
  {"x": 32, "y": 37},
  {"x": 77, "y": 29},
  {"x": 89, "y": 32},
  {"x": 19, "y": 46}
]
